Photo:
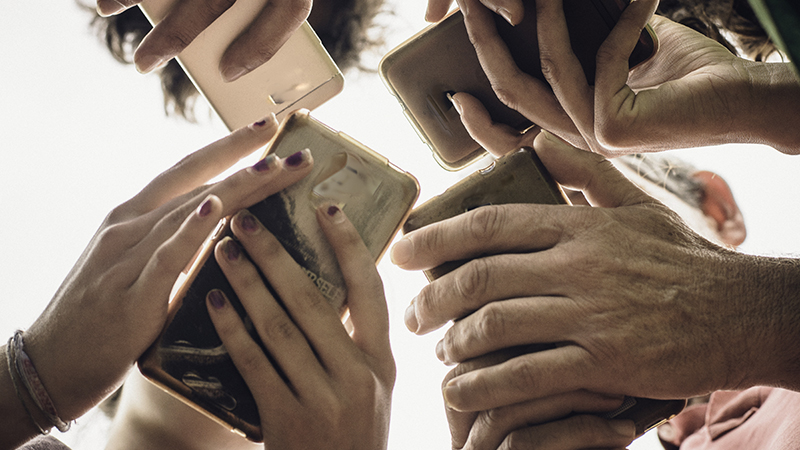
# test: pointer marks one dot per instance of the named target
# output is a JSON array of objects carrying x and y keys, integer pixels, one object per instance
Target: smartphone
[
  {"x": 441, "y": 59},
  {"x": 520, "y": 177},
  {"x": 188, "y": 358},
  {"x": 301, "y": 75}
]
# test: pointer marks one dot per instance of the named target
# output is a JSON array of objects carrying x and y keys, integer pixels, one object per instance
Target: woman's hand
[
  {"x": 320, "y": 387},
  {"x": 270, "y": 29},
  {"x": 693, "y": 92},
  {"x": 113, "y": 303}
]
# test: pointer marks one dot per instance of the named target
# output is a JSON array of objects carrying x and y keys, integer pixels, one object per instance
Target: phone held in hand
[
  {"x": 441, "y": 59},
  {"x": 188, "y": 359},
  {"x": 301, "y": 75},
  {"x": 520, "y": 177}
]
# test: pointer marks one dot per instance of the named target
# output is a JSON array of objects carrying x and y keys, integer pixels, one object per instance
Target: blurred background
[{"x": 81, "y": 133}]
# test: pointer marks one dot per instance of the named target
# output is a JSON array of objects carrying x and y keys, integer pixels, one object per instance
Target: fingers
[
  {"x": 578, "y": 432},
  {"x": 265, "y": 36},
  {"x": 199, "y": 167},
  {"x": 110, "y": 7},
  {"x": 497, "y": 138},
  {"x": 437, "y": 9},
  {"x": 365, "y": 295},
  {"x": 524, "y": 378},
  {"x": 514, "y": 423}
]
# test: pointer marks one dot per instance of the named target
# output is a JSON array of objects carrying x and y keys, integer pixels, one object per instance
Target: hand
[
  {"x": 113, "y": 303},
  {"x": 559, "y": 421},
  {"x": 511, "y": 10},
  {"x": 693, "y": 92},
  {"x": 320, "y": 387},
  {"x": 265, "y": 36},
  {"x": 639, "y": 303}
]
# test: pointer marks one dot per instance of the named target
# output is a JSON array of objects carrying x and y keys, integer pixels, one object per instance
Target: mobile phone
[
  {"x": 301, "y": 75},
  {"x": 188, "y": 358},
  {"x": 520, "y": 177},
  {"x": 441, "y": 59}
]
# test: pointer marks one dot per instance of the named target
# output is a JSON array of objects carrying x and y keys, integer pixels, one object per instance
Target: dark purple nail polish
[
  {"x": 232, "y": 250},
  {"x": 265, "y": 164},
  {"x": 217, "y": 299},
  {"x": 332, "y": 210},
  {"x": 297, "y": 159},
  {"x": 260, "y": 123},
  {"x": 205, "y": 208},
  {"x": 249, "y": 223}
]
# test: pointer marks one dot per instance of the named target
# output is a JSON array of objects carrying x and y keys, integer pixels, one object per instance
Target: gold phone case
[
  {"x": 188, "y": 359},
  {"x": 441, "y": 59},
  {"x": 301, "y": 75}
]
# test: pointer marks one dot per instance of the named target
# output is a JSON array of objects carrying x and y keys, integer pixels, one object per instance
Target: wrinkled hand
[
  {"x": 265, "y": 36},
  {"x": 322, "y": 388},
  {"x": 639, "y": 303},
  {"x": 113, "y": 303},
  {"x": 560, "y": 421},
  {"x": 693, "y": 92}
]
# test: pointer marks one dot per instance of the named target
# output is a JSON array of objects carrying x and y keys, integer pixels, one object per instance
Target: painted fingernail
[
  {"x": 263, "y": 122},
  {"x": 298, "y": 159},
  {"x": 217, "y": 299},
  {"x": 506, "y": 15},
  {"x": 265, "y": 165},
  {"x": 402, "y": 252},
  {"x": 149, "y": 63},
  {"x": 249, "y": 223},
  {"x": 410, "y": 317},
  {"x": 455, "y": 102},
  {"x": 334, "y": 214},
  {"x": 205, "y": 208},
  {"x": 233, "y": 73},
  {"x": 232, "y": 250}
]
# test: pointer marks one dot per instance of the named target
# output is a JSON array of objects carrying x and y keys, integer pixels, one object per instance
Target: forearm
[
  {"x": 16, "y": 424},
  {"x": 769, "y": 109}
]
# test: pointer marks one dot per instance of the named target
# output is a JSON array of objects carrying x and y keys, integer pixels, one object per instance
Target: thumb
[{"x": 601, "y": 183}]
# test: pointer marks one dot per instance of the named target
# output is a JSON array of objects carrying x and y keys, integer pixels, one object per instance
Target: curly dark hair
[
  {"x": 347, "y": 34},
  {"x": 732, "y": 23}
]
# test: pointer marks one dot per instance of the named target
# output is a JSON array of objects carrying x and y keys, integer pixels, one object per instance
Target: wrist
[{"x": 20, "y": 421}]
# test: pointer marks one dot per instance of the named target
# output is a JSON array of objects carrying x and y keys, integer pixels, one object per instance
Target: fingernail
[
  {"x": 298, "y": 159},
  {"x": 506, "y": 15},
  {"x": 249, "y": 223},
  {"x": 402, "y": 252},
  {"x": 334, "y": 214},
  {"x": 233, "y": 73},
  {"x": 149, "y": 63},
  {"x": 105, "y": 11},
  {"x": 263, "y": 122},
  {"x": 232, "y": 250},
  {"x": 217, "y": 299},
  {"x": 455, "y": 102},
  {"x": 205, "y": 208},
  {"x": 450, "y": 393},
  {"x": 265, "y": 165},
  {"x": 410, "y": 317},
  {"x": 623, "y": 427}
]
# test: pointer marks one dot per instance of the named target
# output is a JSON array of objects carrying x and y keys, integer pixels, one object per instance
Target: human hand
[
  {"x": 511, "y": 10},
  {"x": 113, "y": 303},
  {"x": 568, "y": 420},
  {"x": 639, "y": 304},
  {"x": 266, "y": 35},
  {"x": 320, "y": 387},
  {"x": 693, "y": 92}
]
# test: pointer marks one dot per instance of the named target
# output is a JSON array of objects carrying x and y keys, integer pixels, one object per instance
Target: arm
[
  {"x": 643, "y": 305},
  {"x": 113, "y": 303},
  {"x": 268, "y": 32},
  {"x": 692, "y": 92}
]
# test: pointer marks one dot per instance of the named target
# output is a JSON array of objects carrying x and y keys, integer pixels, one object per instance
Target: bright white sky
[{"x": 81, "y": 133}]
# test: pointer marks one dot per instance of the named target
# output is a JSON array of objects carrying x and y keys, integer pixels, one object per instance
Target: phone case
[
  {"x": 441, "y": 59},
  {"x": 518, "y": 177},
  {"x": 301, "y": 75},
  {"x": 188, "y": 359}
]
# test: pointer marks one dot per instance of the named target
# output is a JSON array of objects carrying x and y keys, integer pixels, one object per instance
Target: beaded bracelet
[
  {"x": 11, "y": 371},
  {"x": 30, "y": 378}
]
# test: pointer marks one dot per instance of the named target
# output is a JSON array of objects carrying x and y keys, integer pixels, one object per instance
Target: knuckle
[
  {"x": 509, "y": 97},
  {"x": 523, "y": 376},
  {"x": 549, "y": 67},
  {"x": 281, "y": 329},
  {"x": 492, "y": 324},
  {"x": 472, "y": 281},
  {"x": 486, "y": 223},
  {"x": 426, "y": 302}
]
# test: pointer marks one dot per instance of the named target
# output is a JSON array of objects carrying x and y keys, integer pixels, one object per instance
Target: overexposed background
[{"x": 81, "y": 133}]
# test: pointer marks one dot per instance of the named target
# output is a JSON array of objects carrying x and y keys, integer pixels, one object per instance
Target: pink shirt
[{"x": 757, "y": 418}]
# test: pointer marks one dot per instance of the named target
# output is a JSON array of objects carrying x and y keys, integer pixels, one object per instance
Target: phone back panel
[
  {"x": 188, "y": 359},
  {"x": 441, "y": 60},
  {"x": 301, "y": 75}
]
